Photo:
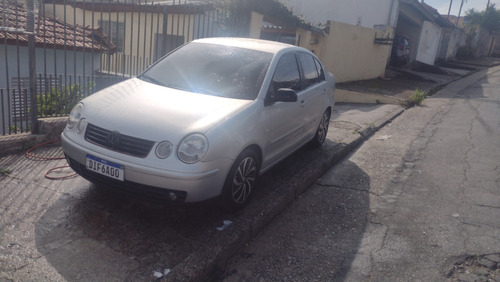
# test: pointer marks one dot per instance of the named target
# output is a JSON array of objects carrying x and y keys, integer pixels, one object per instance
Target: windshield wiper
[
  {"x": 209, "y": 92},
  {"x": 150, "y": 79},
  {"x": 155, "y": 81},
  {"x": 178, "y": 87}
]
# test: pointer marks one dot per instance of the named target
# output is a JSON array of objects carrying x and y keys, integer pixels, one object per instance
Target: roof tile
[{"x": 49, "y": 32}]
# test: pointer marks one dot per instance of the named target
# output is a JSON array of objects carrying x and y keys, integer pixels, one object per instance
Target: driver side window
[{"x": 286, "y": 74}]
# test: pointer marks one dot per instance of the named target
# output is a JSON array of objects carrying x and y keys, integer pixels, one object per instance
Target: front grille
[{"x": 118, "y": 142}]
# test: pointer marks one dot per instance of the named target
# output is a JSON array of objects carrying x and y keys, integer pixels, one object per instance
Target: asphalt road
[{"x": 419, "y": 201}]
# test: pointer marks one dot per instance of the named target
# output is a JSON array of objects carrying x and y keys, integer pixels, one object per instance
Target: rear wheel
[
  {"x": 320, "y": 136},
  {"x": 240, "y": 181}
]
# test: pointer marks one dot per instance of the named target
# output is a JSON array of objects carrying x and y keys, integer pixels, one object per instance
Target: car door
[
  {"x": 286, "y": 119},
  {"x": 314, "y": 91}
]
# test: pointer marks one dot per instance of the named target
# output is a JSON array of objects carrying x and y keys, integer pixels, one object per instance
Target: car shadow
[
  {"x": 315, "y": 239},
  {"x": 101, "y": 234},
  {"x": 78, "y": 236}
]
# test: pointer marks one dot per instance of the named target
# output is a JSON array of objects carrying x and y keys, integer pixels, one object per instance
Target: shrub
[
  {"x": 60, "y": 101},
  {"x": 418, "y": 97}
]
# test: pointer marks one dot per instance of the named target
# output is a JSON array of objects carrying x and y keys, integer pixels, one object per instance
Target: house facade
[
  {"x": 431, "y": 35},
  {"x": 355, "y": 38},
  {"x": 142, "y": 33},
  {"x": 59, "y": 47},
  {"x": 64, "y": 55},
  {"x": 363, "y": 13}
]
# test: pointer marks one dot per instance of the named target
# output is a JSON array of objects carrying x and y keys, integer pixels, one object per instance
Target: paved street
[
  {"x": 398, "y": 191},
  {"x": 380, "y": 213},
  {"x": 419, "y": 201}
]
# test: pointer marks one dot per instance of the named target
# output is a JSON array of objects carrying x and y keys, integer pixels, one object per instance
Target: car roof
[{"x": 249, "y": 43}]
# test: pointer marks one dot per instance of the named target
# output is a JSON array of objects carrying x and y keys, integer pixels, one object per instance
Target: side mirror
[
  {"x": 285, "y": 95},
  {"x": 282, "y": 95}
]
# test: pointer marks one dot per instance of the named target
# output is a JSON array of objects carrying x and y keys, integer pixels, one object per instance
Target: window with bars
[
  {"x": 20, "y": 101},
  {"x": 164, "y": 44},
  {"x": 116, "y": 32}
]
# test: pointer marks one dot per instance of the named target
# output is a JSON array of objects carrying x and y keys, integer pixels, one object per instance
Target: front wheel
[
  {"x": 240, "y": 181},
  {"x": 320, "y": 136}
]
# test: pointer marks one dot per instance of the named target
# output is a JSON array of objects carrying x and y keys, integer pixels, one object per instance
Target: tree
[
  {"x": 489, "y": 19},
  {"x": 234, "y": 15}
]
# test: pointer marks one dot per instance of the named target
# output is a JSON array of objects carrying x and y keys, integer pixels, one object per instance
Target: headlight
[
  {"x": 164, "y": 149},
  {"x": 192, "y": 148},
  {"x": 81, "y": 125},
  {"x": 75, "y": 115}
]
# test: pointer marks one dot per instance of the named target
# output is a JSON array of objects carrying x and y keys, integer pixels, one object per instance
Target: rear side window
[
  {"x": 311, "y": 75},
  {"x": 321, "y": 72},
  {"x": 287, "y": 74}
]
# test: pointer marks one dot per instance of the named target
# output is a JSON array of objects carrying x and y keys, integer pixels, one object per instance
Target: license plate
[{"x": 105, "y": 168}]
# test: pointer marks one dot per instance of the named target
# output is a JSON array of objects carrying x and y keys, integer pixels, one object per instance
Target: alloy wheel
[{"x": 244, "y": 180}]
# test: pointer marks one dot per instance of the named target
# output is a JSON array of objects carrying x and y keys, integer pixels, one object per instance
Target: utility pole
[
  {"x": 460, "y": 11},
  {"x": 30, "y": 28},
  {"x": 449, "y": 9}
]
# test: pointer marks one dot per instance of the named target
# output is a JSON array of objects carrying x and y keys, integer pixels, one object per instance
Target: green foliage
[
  {"x": 14, "y": 129},
  {"x": 60, "y": 101},
  {"x": 418, "y": 97},
  {"x": 488, "y": 19},
  {"x": 234, "y": 15}
]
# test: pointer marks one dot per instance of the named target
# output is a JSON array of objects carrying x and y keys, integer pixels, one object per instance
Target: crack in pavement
[
  {"x": 486, "y": 206},
  {"x": 347, "y": 188}
]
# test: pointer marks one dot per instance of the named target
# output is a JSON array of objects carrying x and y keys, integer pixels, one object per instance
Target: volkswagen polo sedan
[{"x": 203, "y": 122}]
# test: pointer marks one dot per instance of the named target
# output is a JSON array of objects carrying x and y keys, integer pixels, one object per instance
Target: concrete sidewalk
[
  {"x": 400, "y": 83},
  {"x": 69, "y": 230}
]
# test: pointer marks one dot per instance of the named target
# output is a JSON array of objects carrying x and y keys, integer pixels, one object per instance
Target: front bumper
[{"x": 151, "y": 182}]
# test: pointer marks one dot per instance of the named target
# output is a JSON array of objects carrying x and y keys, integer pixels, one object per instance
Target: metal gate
[{"x": 55, "y": 53}]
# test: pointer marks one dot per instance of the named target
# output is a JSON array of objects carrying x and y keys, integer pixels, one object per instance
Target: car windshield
[{"x": 213, "y": 70}]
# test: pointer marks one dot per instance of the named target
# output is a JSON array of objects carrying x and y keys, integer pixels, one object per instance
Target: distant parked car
[
  {"x": 203, "y": 122},
  {"x": 400, "y": 54}
]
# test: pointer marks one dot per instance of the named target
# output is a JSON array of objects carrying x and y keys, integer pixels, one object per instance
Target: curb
[
  {"x": 200, "y": 265},
  {"x": 439, "y": 87},
  {"x": 51, "y": 129}
]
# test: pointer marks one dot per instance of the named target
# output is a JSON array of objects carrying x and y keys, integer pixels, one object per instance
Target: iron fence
[{"x": 61, "y": 51}]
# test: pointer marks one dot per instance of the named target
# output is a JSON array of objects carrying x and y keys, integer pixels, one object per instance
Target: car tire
[
  {"x": 322, "y": 131},
  {"x": 240, "y": 181}
]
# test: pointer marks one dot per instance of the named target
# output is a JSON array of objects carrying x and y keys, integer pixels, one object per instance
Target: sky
[{"x": 443, "y": 5}]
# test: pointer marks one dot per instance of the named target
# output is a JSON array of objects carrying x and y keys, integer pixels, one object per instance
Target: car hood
[{"x": 145, "y": 110}]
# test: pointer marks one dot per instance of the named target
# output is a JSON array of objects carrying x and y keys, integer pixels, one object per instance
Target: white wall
[
  {"x": 367, "y": 13},
  {"x": 453, "y": 44},
  {"x": 428, "y": 46},
  {"x": 50, "y": 61},
  {"x": 349, "y": 51}
]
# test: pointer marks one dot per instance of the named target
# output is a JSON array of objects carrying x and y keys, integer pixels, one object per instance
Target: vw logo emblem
[{"x": 113, "y": 139}]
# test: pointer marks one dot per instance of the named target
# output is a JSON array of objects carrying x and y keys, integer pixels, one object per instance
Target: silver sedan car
[{"x": 203, "y": 122}]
